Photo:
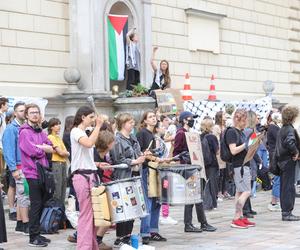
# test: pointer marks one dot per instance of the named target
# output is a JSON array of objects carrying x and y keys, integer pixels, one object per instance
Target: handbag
[{"x": 46, "y": 178}]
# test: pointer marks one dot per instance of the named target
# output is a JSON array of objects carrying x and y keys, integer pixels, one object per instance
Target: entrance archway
[{"x": 120, "y": 8}]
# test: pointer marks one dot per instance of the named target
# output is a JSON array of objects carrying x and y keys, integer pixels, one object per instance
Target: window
[{"x": 203, "y": 30}]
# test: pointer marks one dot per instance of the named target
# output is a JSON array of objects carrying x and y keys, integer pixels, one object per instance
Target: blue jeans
[
  {"x": 149, "y": 224},
  {"x": 276, "y": 187}
]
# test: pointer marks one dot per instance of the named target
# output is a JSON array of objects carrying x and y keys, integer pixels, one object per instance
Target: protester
[
  {"x": 125, "y": 151},
  {"x": 11, "y": 193},
  {"x": 149, "y": 224},
  {"x": 12, "y": 156},
  {"x": 163, "y": 145},
  {"x": 238, "y": 144},
  {"x": 3, "y": 235},
  {"x": 34, "y": 145},
  {"x": 255, "y": 163},
  {"x": 59, "y": 157},
  {"x": 287, "y": 154},
  {"x": 211, "y": 150},
  {"x": 103, "y": 146},
  {"x": 84, "y": 172},
  {"x": 272, "y": 134},
  {"x": 187, "y": 122},
  {"x": 133, "y": 59},
  {"x": 161, "y": 79},
  {"x": 66, "y": 136},
  {"x": 218, "y": 129}
]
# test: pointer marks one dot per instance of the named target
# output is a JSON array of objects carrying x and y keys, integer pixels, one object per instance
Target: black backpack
[
  {"x": 225, "y": 153},
  {"x": 207, "y": 156}
]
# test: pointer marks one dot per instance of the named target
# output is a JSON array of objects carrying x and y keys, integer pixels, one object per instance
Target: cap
[{"x": 185, "y": 114}]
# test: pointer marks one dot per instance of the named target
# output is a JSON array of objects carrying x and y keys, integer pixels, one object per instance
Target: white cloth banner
[
  {"x": 41, "y": 102},
  {"x": 261, "y": 107}
]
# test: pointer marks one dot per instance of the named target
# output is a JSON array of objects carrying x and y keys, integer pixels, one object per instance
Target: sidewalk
[{"x": 270, "y": 232}]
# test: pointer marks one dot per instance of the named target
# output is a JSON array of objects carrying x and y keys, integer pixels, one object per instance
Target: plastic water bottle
[{"x": 134, "y": 241}]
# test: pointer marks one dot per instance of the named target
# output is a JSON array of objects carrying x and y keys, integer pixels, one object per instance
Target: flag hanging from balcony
[{"x": 117, "y": 30}]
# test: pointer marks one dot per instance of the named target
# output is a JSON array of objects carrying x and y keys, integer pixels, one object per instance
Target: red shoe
[
  {"x": 247, "y": 222},
  {"x": 239, "y": 223}
]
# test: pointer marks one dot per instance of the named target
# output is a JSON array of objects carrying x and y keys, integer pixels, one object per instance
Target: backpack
[
  {"x": 50, "y": 220},
  {"x": 207, "y": 156},
  {"x": 53, "y": 217},
  {"x": 225, "y": 153}
]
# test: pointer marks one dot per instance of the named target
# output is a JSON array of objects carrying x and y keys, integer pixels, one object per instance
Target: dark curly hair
[{"x": 289, "y": 114}]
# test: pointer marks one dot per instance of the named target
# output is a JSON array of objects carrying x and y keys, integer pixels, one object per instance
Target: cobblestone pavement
[{"x": 269, "y": 233}]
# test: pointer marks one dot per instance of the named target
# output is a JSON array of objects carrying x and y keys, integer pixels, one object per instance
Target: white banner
[{"x": 261, "y": 107}]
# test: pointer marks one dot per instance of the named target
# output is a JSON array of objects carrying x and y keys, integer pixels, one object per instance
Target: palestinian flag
[
  {"x": 117, "y": 30},
  {"x": 252, "y": 139}
]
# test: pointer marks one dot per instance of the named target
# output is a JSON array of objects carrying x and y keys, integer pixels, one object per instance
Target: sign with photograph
[
  {"x": 169, "y": 101},
  {"x": 195, "y": 150}
]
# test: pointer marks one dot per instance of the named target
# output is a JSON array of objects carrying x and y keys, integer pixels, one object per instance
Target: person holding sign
[
  {"x": 238, "y": 145},
  {"x": 186, "y": 120}
]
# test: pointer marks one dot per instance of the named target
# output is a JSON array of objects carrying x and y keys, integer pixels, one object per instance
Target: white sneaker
[
  {"x": 275, "y": 208},
  {"x": 220, "y": 199},
  {"x": 167, "y": 221}
]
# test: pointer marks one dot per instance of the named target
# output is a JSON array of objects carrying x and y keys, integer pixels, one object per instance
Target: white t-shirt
[{"x": 82, "y": 157}]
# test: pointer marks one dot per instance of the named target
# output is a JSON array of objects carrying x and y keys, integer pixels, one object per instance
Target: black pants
[
  {"x": 211, "y": 188},
  {"x": 124, "y": 228},
  {"x": 133, "y": 78},
  {"x": 222, "y": 181},
  {"x": 188, "y": 213},
  {"x": 248, "y": 207},
  {"x": 287, "y": 187},
  {"x": 3, "y": 236},
  {"x": 38, "y": 198}
]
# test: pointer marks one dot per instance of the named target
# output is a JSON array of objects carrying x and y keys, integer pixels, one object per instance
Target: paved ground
[{"x": 270, "y": 232}]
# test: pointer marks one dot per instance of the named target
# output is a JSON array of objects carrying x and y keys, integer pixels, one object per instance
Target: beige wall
[
  {"x": 34, "y": 47},
  {"x": 255, "y": 45},
  {"x": 258, "y": 41}
]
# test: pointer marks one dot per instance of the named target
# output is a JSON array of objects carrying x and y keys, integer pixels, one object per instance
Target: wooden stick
[{"x": 150, "y": 144}]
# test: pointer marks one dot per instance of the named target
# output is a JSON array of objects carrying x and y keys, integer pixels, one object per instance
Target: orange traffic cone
[
  {"x": 186, "y": 93},
  {"x": 212, "y": 90}
]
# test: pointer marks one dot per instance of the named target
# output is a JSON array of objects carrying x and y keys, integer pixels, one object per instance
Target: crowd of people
[{"x": 31, "y": 148}]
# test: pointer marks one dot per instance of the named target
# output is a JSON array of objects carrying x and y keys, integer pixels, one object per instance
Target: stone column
[{"x": 86, "y": 40}]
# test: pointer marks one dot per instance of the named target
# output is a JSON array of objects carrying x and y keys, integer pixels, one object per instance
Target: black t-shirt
[
  {"x": 144, "y": 137},
  {"x": 236, "y": 136}
]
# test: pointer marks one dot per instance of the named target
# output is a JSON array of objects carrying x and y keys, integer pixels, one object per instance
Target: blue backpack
[{"x": 51, "y": 219}]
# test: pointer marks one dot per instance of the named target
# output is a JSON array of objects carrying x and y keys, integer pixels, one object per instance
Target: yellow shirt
[{"x": 57, "y": 142}]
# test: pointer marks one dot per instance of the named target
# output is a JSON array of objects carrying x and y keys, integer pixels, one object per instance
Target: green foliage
[{"x": 139, "y": 90}]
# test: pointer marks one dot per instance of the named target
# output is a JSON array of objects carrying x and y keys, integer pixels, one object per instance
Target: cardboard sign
[
  {"x": 169, "y": 101},
  {"x": 253, "y": 148},
  {"x": 195, "y": 150}
]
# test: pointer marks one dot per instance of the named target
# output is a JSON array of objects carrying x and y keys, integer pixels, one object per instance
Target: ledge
[
  {"x": 132, "y": 100},
  {"x": 204, "y": 14}
]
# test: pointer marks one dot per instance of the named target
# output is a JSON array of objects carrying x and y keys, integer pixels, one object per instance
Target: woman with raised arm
[
  {"x": 84, "y": 173},
  {"x": 161, "y": 79}
]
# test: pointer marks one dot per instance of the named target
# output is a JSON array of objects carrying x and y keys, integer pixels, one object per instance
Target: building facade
[{"x": 243, "y": 43}]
